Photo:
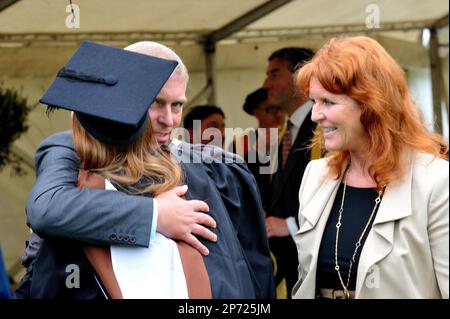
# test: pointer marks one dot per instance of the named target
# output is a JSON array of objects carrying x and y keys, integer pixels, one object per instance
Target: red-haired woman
[{"x": 374, "y": 213}]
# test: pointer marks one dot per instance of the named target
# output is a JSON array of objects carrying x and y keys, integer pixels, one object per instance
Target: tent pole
[
  {"x": 6, "y": 3},
  {"x": 209, "y": 47},
  {"x": 435, "y": 67},
  {"x": 209, "y": 44}
]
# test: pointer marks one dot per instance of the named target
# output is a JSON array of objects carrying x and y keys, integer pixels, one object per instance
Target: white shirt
[
  {"x": 153, "y": 272},
  {"x": 298, "y": 117}
]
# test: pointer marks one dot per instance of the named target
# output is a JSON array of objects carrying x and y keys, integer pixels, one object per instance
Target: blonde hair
[
  {"x": 141, "y": 160},
  {"x": 361, "y": 68},
  {"x": 128, "y": 165}
]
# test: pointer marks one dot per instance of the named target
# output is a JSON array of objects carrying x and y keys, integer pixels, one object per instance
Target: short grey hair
[{"x": 161, "y": 51}]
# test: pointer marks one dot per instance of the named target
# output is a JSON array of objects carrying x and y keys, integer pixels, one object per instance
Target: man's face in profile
[{"x": 279, "y": 83}]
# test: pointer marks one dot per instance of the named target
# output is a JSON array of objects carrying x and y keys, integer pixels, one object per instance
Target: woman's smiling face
[{"x": 338, "y": 115}]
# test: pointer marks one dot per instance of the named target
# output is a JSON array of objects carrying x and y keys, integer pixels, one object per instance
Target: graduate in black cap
[{"x": 113, "y": 139}]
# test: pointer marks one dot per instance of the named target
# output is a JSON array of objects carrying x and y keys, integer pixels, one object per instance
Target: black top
[{"x": 358, "y": 205}]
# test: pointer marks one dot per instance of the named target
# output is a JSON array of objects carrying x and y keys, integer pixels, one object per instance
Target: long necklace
[{"x": 358, "y": 243}]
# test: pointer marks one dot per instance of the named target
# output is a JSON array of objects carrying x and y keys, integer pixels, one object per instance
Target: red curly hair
[{"x": 360, "y": 68}]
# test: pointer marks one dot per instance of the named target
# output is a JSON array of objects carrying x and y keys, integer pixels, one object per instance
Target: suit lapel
[
  {"x": 196, "y": 189},
  {"x": 193, "y": 170},
  {"x": 298, "y": 150},
  {"x": 319, "y": 204},
  {"x": 281, "y": 176},
  {"x": 315, "y": 214},
  {"x": 395, "y": 205}
]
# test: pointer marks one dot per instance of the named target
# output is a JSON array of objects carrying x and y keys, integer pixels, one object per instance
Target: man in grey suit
[{"x": 58, "y": 209}]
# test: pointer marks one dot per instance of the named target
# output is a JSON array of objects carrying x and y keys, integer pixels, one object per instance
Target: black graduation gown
[{"x": 239, "y": 264}]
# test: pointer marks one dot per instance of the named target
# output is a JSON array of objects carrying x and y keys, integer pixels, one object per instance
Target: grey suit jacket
[{"x": 56, "y": 207}]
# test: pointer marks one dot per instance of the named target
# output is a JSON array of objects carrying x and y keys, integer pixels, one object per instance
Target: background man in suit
[
  {"x": 293, "y": 156},
  {"x": 255, "y": 146},
  {"x": 199, "y": 119}
]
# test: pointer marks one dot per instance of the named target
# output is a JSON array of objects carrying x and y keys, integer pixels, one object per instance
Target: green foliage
[{"x": 13, "y": 115}]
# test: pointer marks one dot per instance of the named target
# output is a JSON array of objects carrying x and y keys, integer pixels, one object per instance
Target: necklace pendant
[{"x": 346, "y": 294}]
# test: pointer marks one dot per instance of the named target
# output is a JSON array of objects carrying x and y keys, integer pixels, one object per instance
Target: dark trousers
[{"x": 285, "y": 252}]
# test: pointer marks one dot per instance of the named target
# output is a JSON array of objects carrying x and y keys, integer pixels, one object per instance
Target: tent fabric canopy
[{"x": 197, "y": 18}]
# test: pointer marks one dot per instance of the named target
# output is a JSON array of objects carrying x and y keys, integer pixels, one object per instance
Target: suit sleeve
[
  {"x": 240, "y": 195},
  {"x": 438, "y": 228},
  {"x": 56, "y": 207}
]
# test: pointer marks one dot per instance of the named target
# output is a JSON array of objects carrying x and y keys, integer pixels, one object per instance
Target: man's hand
[
  {"x": 182, "y": 219},
  {"x": 276, "y": 227}
]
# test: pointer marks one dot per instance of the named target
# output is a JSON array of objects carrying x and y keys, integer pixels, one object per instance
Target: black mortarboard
[
  {"x": 110, "y": 90},
  {"x": 253, "y": 100}
]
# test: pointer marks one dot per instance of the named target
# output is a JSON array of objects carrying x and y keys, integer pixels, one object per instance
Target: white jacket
[{"x": 406, "y": 254}]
